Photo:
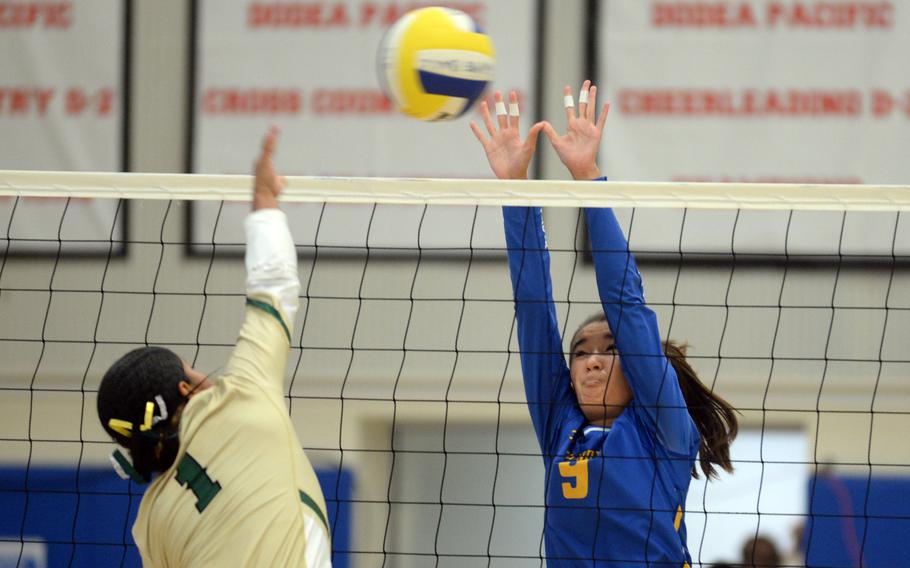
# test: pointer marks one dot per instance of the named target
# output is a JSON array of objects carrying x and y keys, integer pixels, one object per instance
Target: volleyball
[{"x": 435, "y": 63}]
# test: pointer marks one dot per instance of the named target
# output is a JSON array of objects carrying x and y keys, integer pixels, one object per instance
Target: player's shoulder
[
  {"x": 199, "y": 404},
  {"x": 202, "y": 406},
  {"x": 230, "y": 388},
  {"x": 143, "y": 522}
]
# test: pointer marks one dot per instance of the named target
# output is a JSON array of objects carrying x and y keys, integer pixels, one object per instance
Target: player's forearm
[
  {"x": 634, "y": 325},
  {"x": 262, "y": 200},
  {"x": 529, "y": 260},
  {"x": 271, "y": 259},
  {"x": 542, "y": 362},
  {"x": 529, "y": 268}
]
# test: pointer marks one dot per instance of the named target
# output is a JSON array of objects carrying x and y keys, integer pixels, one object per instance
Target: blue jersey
[{"x": 614, "y": 496}]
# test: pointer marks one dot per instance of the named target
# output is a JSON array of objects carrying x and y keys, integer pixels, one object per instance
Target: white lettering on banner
[
  {"x": 251, "y": 101},
  {"x": 50, "y": 15},
  {"x": 813, "y": 15}
]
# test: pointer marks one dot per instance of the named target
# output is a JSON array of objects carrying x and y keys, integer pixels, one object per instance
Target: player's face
[
  {"x": 195, "y": 382},
  {"x": 597, "y": 377}
]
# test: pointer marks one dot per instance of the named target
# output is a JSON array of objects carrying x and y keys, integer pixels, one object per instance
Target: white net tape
[{"x": 462, "y": 192}]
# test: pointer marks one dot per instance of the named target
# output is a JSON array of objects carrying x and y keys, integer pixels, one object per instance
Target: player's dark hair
[
  {"x": 126, "y": 388},
  {"x": 714, "y": 417}
]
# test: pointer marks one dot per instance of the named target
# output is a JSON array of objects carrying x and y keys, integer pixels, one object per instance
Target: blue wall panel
[{"x": 82, "y": 518}]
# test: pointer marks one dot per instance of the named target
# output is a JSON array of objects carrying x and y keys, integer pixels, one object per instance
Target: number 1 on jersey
[
  {"x": 579, "y": 471},
  {"x": 194, "y": 477}
]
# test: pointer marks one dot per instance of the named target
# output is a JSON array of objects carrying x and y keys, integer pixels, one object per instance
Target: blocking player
[{"x": 620, "y": 426}]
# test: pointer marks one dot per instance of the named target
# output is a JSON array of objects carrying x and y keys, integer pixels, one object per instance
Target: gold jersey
[{"x": 241, "y": 491}]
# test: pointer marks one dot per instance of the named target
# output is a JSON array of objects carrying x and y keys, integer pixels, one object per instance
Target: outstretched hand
[
  {"x": 579, "y": 146},
  {"x": 268, "y": 184},
  {"x": 507, "y": 153}
]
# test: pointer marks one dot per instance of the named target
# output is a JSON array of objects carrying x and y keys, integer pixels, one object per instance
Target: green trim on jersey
[
  {"x": 272, "y": 312},
  {"x": 308, "y": 501}
]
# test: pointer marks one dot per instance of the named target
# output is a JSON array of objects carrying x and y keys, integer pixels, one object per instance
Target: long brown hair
[{"x": 714, "y": 417}]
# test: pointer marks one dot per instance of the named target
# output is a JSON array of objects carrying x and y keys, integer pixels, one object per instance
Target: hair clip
[
  {"x": 122, "y": 427},
  {"x": 150, "y": 419},
  {"x": 124, "y": 467},
  {"x": 162, "y": 410},
  {"x": 149, "y": 414}
]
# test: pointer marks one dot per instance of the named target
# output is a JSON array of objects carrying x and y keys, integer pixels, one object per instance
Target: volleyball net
[{"x": 404, "y": 381}]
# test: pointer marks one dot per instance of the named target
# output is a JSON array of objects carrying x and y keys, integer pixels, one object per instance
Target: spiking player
[
  {"x": 619, "y": 426},
  {"x": 230, "y": 485}
]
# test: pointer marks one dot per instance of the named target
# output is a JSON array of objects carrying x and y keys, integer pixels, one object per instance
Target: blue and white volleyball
[{"x": 435, "y": 63}]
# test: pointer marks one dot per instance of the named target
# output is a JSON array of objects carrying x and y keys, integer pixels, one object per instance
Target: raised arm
[
  {"x": 272, "y": 283},
  {"x": 546, "y": 376},
  {"x": 634, "y": 325}
]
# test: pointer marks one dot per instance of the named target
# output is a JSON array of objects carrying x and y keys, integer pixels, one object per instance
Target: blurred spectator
[
  {"x": 760, "y": 552},
  {"x": 796, "y": 556}
]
